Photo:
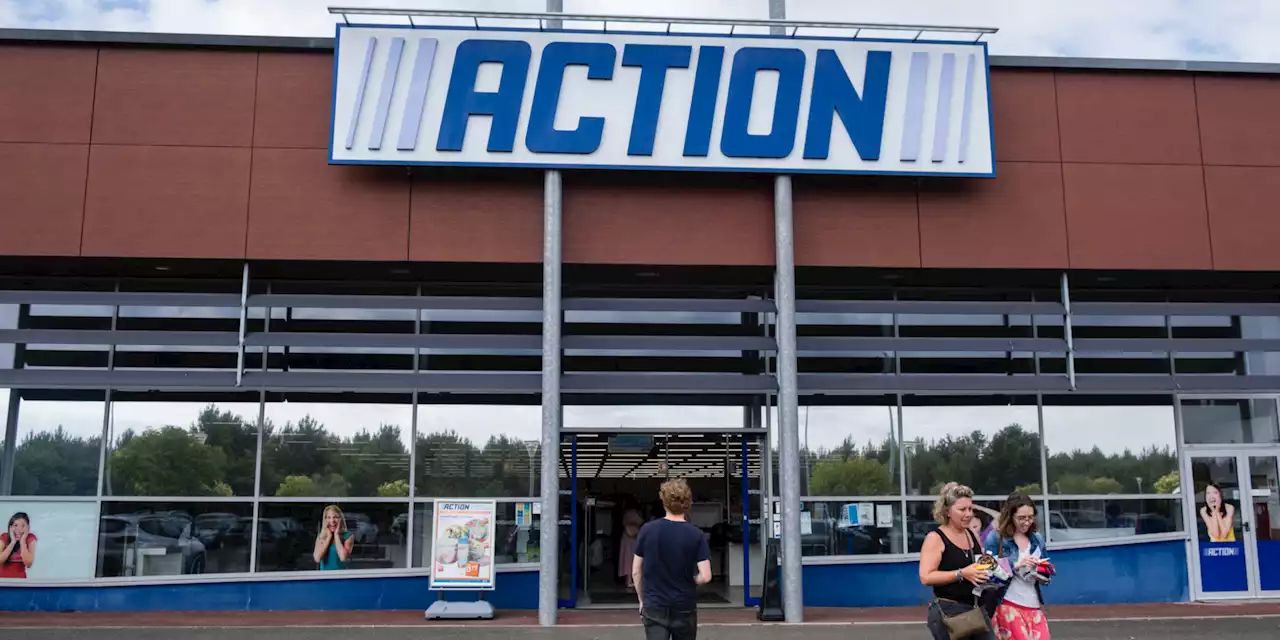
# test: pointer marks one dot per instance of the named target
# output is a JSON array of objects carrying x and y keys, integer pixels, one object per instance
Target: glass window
[
  {"x": 162, "y": 447},
  {"x": 476, "y": 451},
  {"x": 512, "y": 544},
  {"x": 964, "y": 326},
  {"x": 851, "y": 529},
  {"x": 850, "y": 450},
  {"x": 58, "y": 443},
  {"x": 990, "y": 443},
  {"x": 1115, "y": 444},
  {"x": 173, "y": 538},
  {"x": 336, "y": 449},
  {"x": 1103, "y": 519},
  {"x": 968, "y": 362},
  {"x": 1085, "y": 326},
  {"x": 920, "y": 521},
  {"x": 1232, "y": 421},
  {"x": 288, "y": 536},
  {"x": 871, "y": 325},
  {"x": 653, "y": 417},
  {"x": 64, "y": 531},
  {"x": 66, "y": 317},
  {"x": 8, "y": 320}
]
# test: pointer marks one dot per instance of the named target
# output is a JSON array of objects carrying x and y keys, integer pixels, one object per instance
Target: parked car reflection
[{"x": 149, "y": 544}]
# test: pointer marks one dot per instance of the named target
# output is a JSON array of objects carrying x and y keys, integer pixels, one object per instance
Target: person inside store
[
  {"x": 334, "y": 542},
  {"x": 17, "y": 547},
  {"x": 1020, "y": 615},
  {"x": 631, "y": 523},
  {"x": 949, "y": 564},
  {"x": 1218, "y": 515},
  {"x": 671, "y": 559}
]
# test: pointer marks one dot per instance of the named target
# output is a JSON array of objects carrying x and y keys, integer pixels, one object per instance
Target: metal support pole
[
  {"x": 10, "y": 443},
  {"x": 1066, "y": 331},
  {"x": 549, "y": 548},
  {"x": 549, "y": 531},
  {"x": 244, "y": 322},
  {"x": 788, "y": 403},
  {"x": 788, "y": 396}
]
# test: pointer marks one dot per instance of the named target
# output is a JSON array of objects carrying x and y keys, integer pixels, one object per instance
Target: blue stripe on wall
[
  {"x": 1153, "y": 572},
  {"x": 516, "y": 590}
]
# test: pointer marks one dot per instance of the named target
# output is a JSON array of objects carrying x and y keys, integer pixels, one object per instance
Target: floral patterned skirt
[{"x": 1013, "y": 622}]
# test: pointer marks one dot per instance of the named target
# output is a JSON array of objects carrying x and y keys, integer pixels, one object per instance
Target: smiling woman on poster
[
  {"x": 1218, "y": 515},
  {"x": 334, "y": 542},
  {"x": 17, "y": 547}
]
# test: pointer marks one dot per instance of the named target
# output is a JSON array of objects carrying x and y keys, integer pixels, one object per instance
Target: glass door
[
  {"x": 1264, "y": 499},
  {"x": 1237, "y": 522},
  {"x": 1220, "y": 525}
]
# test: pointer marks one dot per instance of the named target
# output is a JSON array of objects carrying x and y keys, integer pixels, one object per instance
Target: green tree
[
  {"x": 167, "y": 462},
  {"x": 1078, "y": 484},
  {"x": 316, "y": 486},
  {"x": 1030, "y": 489},
  {"x": 851, "y": 477},
  {"x": 394, "y": 489},
  {"x": 56, "y": 463},
  {"x": 1168, "y": 483}
]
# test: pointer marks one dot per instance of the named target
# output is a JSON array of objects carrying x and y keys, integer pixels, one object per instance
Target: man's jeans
[{"x": 670, "y": 623}]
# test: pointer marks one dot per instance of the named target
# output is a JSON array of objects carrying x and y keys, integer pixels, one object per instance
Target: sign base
[{"x": 441, "y": 610}]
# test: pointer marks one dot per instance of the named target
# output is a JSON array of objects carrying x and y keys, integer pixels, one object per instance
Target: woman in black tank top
[{"x": 948, "y": 561}]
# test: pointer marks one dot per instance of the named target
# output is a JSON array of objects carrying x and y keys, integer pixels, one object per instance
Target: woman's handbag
[{"x": 964, "y": 625}]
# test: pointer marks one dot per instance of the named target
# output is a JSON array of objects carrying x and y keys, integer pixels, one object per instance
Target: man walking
[{"x": 671, "y": 560}]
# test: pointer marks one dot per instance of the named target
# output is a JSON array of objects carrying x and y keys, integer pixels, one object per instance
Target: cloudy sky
[{"x": 1243, "y": 30}]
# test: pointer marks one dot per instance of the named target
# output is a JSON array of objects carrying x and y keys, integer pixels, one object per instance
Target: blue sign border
[{"x": 333, "y": 106}]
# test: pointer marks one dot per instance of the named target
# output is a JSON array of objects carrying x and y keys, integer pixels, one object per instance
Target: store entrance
[{"x": 614, "y": 484}]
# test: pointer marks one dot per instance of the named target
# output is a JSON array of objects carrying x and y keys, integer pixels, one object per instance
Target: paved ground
[
  {"x": 1250, "y": 621},
  {"x": 730, "y": 618},
  {"x": 1240, "y": 628}
]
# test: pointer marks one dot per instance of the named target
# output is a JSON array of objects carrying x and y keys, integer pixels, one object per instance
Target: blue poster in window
[{"x": 1222, "y": 567}]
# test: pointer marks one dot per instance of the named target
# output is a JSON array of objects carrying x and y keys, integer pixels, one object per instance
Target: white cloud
[{"x": 1247, "y": 30}]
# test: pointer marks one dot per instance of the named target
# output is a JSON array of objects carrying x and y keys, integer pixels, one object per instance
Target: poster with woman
[
  {"x": 47, "y": 540},
  {"x": 462, "y": 550},
  {"x": 1218, "y": 515}
]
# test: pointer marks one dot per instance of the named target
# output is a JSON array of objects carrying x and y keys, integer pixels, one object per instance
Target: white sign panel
[
  {"x": 462, "y": 552},
  {"x": 468, "y": 97}
]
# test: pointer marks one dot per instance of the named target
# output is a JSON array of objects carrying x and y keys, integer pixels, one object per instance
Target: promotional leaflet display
[{"x": 462, "y": 552}]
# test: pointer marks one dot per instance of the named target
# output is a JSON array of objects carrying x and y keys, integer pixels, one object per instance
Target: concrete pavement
[{"x": 1236, "y": 628}]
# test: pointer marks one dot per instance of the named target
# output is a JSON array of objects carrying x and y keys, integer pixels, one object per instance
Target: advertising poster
[
  {"x": 1220, "y": 534},
  {"x": 462, "y": 551},
  {"x": 64, "y": 535}
]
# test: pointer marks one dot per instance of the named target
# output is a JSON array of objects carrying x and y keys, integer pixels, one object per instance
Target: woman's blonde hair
[
  {"x": 951, "y": 493},
  {"x": 342, "y": 520}
]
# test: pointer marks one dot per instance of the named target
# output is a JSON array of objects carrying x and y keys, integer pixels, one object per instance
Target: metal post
[
  {"x": 788, "y": 396},
  {"x": 10, "y": 443},
  {"x": 551, "y": 317},
  {"x": 549, "y": 532},
  {"x": 1066, "y": 332}
]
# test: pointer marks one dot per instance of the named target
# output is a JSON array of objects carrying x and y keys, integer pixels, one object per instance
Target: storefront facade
[{"x": 208, "y": 333}]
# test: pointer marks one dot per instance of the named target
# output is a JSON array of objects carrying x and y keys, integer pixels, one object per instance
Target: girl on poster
[
  {"x": 1218, "y": 516},
  {"x": 334, "y": 542},
  {"x": 17, "y": 547}
]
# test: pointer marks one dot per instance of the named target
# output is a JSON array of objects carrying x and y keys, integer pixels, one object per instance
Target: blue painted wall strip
[
  {"x": 967, "y": 108},
  {"x": 364, "y": 85},
  {"x": 942, "y": 123},
  {"x": 418, "y": 84},
  {"x": 914, "y": 122},
  {"x": 384, "y": 96}
]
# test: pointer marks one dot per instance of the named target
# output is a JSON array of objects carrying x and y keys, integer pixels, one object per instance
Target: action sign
[
  {"x": 468, "y": 97},
  {"x": 462, "y": 551}
]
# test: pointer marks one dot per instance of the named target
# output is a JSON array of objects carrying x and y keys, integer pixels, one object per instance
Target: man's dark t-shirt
[{"x": 671, "y": 552}]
